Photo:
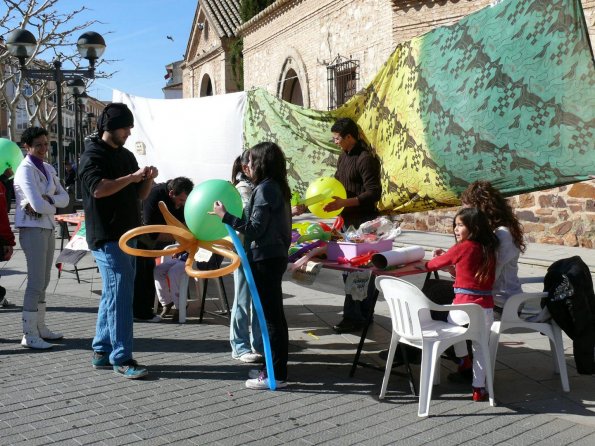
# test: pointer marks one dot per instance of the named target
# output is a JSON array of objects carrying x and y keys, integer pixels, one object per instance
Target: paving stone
[{"x": 196, "y": 392}]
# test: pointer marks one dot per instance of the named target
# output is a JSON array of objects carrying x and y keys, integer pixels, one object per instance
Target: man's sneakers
[
  {"x": 131, "y": 370},
  {"x": 261, "y": 382},
  {"x": 249, "y": 357},
  {"x": 480, "y": 394},
  {"x": 100, "y": 360}
]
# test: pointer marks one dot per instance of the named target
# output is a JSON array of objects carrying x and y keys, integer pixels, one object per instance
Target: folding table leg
[
  {"x": 362, "y": 339},
  {"x": 203, "y": 300}
]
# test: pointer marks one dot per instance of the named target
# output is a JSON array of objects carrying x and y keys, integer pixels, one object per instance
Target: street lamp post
[
  {"x": 76, "y": 87},
  {"x": 91, "y": 45},
  {"x": 82, "y": 105}
]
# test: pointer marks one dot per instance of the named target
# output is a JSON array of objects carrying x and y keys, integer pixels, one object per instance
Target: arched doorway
[
  {"x": 206, "y": 86},
  {"x": 292, "y": 89},
  {"x": 292, "y": 83}
]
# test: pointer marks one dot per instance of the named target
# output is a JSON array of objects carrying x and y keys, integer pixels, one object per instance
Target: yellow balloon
[{"x": 325, "y": 189}]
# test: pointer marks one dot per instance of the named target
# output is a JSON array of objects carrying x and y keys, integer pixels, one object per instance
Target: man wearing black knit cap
[{"x": 113, "y": 186}]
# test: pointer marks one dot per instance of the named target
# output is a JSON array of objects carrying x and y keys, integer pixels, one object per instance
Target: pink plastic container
[{"x": 350, "y": 250}]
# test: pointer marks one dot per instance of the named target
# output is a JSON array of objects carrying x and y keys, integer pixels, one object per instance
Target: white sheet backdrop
[{"x": 197, "y": 138}]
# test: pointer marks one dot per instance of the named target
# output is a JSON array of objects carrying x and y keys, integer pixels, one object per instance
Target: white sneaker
[
  {"x": 249, "y": 357},
  {"x": 262, "y": 383}
]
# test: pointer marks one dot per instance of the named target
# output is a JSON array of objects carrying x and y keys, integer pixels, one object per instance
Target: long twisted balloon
[{"x": 186, "y": 242}]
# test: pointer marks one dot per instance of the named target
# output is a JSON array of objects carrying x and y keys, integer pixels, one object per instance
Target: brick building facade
[
  {"x": 206, "y": 69},
  {"x": 289, "y": 47}
]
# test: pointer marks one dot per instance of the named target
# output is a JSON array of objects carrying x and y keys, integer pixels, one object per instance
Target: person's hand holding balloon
[
  {"x": 138, "y": 176},
  {"x": 329, "y": 195},
  {"x": 298, "y": 209},
  {"x": 151, "y": 172},
  {"x": 335, "y": 205},
  {"x": 218, "y": 209}
]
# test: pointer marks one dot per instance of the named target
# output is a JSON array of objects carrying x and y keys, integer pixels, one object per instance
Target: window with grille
[{"x": 342, "y": 76}]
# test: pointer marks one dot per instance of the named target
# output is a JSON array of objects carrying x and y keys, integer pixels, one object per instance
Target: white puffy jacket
[{"x": 30, "y": 184}]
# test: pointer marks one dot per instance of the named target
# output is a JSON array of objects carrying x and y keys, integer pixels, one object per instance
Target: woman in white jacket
[{"x": 38, "y": 193}]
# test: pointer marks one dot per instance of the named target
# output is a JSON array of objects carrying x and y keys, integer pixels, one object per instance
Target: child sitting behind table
[
  {"x": 474, "y": 260},
  {"x": 168, "y": 276}
]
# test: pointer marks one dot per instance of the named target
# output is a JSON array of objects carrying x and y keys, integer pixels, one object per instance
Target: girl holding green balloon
[{"x": 266, "y": 225}]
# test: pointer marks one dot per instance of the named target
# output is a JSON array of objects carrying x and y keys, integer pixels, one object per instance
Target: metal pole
[
  {"x": 82, "y": 108},
  {"x": 58, "y": 80},
  {"x": 76, "y": 125}
]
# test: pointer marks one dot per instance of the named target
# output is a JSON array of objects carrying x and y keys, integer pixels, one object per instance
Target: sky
[{"x": 135, "y": 33}]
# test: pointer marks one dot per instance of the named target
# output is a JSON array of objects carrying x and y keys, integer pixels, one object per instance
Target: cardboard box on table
[{"x": 350, "y": 250}]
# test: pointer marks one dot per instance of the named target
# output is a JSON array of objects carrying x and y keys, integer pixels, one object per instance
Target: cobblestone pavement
[{"x": 195, "y": 393}]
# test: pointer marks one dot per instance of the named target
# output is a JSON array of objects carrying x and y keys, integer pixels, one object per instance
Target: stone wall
[
  {"x": 307, "y": 35},
  {"x": 413, "y": 18},
  {"x": 560, "y": 216}
]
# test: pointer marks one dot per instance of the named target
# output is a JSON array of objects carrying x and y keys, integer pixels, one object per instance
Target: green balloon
[
  {"x": 10, "y": 155},
  {"x": 200, "y": 202}
]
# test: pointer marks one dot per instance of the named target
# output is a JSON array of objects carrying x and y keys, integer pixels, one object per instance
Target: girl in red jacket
[{"x": 474, "y": 261}]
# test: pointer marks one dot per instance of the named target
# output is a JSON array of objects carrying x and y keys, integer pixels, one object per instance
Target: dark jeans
[
  {"x": 268, "y": 275},
  {"x": 358, "y": 310}
]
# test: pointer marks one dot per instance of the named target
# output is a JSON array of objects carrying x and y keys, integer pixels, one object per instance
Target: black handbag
[{"x": 441, "y": 292}]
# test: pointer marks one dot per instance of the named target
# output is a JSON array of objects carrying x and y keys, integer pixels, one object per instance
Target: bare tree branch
[{"x": 55, "y": 33}]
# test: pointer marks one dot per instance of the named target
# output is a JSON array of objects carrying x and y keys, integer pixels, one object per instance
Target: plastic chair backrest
[
  {"x": 164, "y": 258},
  {"x": 407, "y": 305}
]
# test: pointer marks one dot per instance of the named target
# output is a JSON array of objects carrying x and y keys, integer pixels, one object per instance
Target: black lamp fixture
[{"x": 91, "y": 45}]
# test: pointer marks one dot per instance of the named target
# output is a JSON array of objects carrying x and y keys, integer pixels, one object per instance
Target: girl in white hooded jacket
[{"x": 38, "y": 193}]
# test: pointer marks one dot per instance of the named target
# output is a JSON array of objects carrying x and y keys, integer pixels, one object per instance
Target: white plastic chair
[
  {"x": 510, "y": 320},
  {"x": 413, "y": 325}
]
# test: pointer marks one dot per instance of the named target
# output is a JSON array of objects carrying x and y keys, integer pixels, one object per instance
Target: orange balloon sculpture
[{"x": 186, "y": 241}]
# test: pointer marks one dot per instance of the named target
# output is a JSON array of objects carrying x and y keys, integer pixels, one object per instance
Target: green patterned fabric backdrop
[{"x": 506, "y": 95}]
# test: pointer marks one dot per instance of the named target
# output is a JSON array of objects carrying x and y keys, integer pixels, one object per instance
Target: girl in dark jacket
[{"x": 266, "y": 225}]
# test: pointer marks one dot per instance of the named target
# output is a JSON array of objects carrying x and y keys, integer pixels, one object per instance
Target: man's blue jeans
[
  {"x": 113, "y": 333},
  {"x": 243, "y": 317}
]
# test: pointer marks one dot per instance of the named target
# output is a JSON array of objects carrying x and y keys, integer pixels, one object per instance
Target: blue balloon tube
[{"x": 268, "y": 355}]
